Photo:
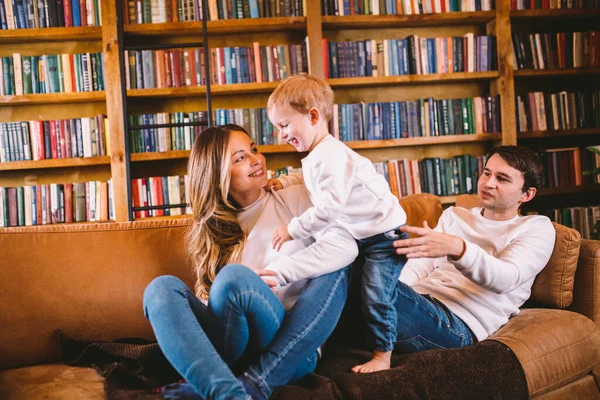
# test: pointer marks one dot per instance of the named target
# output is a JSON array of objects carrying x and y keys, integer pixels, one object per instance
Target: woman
[{"x": 258, "y": 326}]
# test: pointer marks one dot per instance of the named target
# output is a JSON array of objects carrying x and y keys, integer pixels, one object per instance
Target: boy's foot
[{"x": 380, "y": 362}]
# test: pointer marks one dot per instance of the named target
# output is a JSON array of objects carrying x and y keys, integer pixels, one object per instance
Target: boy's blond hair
[{"x": 301, "y": 92}]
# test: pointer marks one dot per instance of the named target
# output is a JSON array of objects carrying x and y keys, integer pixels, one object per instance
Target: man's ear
[
  {"x": 528, "y": 195},
  {"x": 315, "y": 115}
]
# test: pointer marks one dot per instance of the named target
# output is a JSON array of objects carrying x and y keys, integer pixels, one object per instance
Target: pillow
[{"x": 554, "y": 285}]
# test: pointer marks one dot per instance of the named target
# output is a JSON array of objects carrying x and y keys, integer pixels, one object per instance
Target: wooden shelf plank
[
  {"x": 55, "y": 98},
  {"x": 556, "y": 13},
  {"x": 194, "y": 28},
  {"x": 216, "y": 90},
  {"x": 522, "y": 73},
  {"x": 78, "y": 33},
  {"x": 60, "y": 163},
  {"x": 569, "y": 190},
  {"x": 397, "y": 21},
  {"x": 411, "y": 79},
  {"x": 361, "y": 144},
  {"x": 565, "y": 132}
]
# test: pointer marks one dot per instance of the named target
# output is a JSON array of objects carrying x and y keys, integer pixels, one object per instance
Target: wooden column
[
  {"x": 314, "y": 31},
  {"x": 505, "y": 84},
  {"x": 114, "y": 108}
]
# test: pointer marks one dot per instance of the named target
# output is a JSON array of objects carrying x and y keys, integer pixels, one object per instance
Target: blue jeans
[
  {"x": 380, "y": 273},
  {"x": 244, "y": 327},
  {"x": 425, "y": 323}
]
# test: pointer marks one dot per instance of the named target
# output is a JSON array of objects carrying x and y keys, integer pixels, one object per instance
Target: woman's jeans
[{"x": 243, "y": 328}]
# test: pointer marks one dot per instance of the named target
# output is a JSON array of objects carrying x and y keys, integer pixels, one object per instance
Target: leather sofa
[{"x": 88, "y": 280}]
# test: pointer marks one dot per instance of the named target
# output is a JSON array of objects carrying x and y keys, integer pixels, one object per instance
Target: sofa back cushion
[
  {"x": 85, "y": 279},
  {"x": 553, "y": 287},
  {"x": 422, "y": 207}
]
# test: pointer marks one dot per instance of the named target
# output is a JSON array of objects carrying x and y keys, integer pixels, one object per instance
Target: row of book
[
  {"x": 556, "y": 50},
  {"x": 403, "y": 7},
  {"x": 157, "y": 11},
  {"x": 539, "y": 111},
  {"x": 439, "y": 176},
  {"x": 186, "y": 67},
  {"x": 62, "y": 73},
  {"x": 412, "y": 55},
  {"x": 565, "y": 166},
  {"x": 23, "y": 14},
  {"x": 54, "y": 139},
  {"x": 586, "y": 220},
  {"x": 56, "y": 203},
  {"x": 417, "y": 118},
  {"x": 160, "y": 191},
  {"x": 552, "y": 4}
]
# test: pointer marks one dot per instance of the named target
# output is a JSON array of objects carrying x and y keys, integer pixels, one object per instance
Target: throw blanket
[{"x": 490, "y": 370}]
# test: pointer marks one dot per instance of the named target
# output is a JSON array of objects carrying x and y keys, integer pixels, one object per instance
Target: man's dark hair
[{"x": 524, "y": 160}]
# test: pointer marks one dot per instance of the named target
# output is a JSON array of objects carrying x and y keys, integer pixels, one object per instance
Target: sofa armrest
[{"x": 586, "y": 293}]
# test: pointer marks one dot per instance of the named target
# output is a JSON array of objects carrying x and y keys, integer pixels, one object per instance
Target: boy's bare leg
[{"x": 381, "y": 361}]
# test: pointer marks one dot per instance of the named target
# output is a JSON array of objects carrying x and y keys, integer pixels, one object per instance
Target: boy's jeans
[
  {"x": 379, "y": 276},
  {"x": 243, "y": 323}
]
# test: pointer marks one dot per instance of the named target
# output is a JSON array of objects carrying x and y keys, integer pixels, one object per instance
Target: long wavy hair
[{"x": 216, "y": 237}]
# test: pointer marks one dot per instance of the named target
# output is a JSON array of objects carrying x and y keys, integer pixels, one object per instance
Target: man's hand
[
  {"x": 263, "y": 273},
  {"x": 429, "y": 244},
  {"x": 280, "y": 236},
  {"x": 273, "y": 184}
]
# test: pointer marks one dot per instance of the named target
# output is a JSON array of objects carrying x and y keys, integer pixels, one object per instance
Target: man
[{"x": 468, "y": 276}]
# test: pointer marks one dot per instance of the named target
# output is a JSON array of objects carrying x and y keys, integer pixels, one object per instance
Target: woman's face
[{"x": 248, "y": 169}]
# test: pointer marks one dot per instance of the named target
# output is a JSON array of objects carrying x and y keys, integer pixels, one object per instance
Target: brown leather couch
[{"x": 88, "y": 280}]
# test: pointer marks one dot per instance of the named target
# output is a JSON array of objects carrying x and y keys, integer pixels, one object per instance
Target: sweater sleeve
[
  {"x": 334, "y": 249},
  {"x": 526, "y": 255},
  {"x": 295, "y": 178},
  {"x": 332, "y": 186}
]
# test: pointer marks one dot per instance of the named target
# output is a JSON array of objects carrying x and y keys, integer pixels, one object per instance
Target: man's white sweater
[
  {"x": 493, "y": 278},
  {"x": 297, "y": 260},
  {"x": 345, "y": 189}
]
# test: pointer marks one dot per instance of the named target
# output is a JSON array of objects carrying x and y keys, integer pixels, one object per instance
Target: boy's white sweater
[
  {"x": 297, "y": 260},
  {"x": 493, "y": 278},
  {"x": 345, "y": 189}
]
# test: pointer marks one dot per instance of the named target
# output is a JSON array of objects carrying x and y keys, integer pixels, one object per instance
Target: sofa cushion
[
  {"x": 51, "y": 382},
  {"x": 555, "y": 347},
  {"x": 422, "y": 207},
  {"x": 554, "y": 285}
]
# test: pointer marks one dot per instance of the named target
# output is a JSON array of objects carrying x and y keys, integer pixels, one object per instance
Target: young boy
[{"x": 344, "y": 188}]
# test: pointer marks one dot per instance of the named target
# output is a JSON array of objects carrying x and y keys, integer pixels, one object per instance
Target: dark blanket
[{"x": 490, "y": 370}]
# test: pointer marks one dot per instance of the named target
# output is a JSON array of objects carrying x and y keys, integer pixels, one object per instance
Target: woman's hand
[
  {"x": 263, "y": 273},
  {"x": 429, "y": 244},
  {"x": 273, "y": 184},
  {"x": 280, "y": 236}
]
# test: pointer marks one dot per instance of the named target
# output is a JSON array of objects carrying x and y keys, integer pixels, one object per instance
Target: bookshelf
[{"x": 312, "y": 29}]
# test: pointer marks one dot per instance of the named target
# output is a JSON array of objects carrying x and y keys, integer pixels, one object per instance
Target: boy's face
[
  {"x": 295, "y": 128},
  {"x": 500, "y": 186}
]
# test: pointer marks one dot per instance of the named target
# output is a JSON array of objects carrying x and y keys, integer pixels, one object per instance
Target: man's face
[{"x": 500, "y": 186}]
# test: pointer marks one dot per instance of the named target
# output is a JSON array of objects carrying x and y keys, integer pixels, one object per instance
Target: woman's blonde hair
[{"x": 216, "y": 237}]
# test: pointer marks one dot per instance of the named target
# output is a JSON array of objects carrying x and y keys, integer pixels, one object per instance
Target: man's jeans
[
  {"x": 380, "y": 273},
  {"x": 244, "y": 325}
]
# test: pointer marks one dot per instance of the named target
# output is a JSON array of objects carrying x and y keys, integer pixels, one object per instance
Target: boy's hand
[
  {"x": 280, "y": 236},
  {"x": 263, "y": 273},
  {"x": 273, "y": 184}
]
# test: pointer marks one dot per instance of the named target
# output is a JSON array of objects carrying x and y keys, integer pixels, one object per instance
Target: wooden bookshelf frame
[{"x": 502, "y": 81}]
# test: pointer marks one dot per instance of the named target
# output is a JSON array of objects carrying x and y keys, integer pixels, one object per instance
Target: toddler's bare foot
[{"x": 380, "y": 362}]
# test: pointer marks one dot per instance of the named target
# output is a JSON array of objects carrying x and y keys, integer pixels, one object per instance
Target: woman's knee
[
  {"x": 159, "y": 291},
  {"x": 229, "y": 281}
]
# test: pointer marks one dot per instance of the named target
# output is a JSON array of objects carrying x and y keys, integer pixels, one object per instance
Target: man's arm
[
  {"x": 519, "y": 262},
  {"x": 333, "y": 250},
  {"x": 333, "y": 186}
]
